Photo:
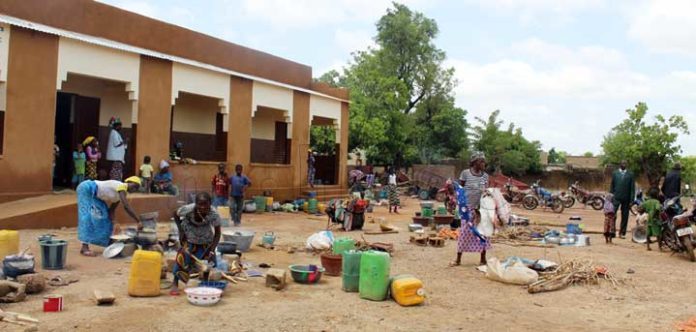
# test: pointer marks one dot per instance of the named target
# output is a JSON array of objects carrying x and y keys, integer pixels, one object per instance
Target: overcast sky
[{"x": 562, "y": 70}]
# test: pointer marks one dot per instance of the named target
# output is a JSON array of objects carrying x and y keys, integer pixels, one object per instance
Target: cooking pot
[{"x": 227, "y": 247}]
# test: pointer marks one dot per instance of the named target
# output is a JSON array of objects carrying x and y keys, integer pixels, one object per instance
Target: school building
[{"x": 68, "y": 66}]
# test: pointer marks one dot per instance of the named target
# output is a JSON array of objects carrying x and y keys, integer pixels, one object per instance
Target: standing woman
[
  {"x": 93, "y": 155},
  {"x": 116, "y": 150},
  {"x": 311, "y": 171},
  {"x": 96, "y": 204},
  {"x": 475, "y": 181},
  {"x": 393, "y": 193}
]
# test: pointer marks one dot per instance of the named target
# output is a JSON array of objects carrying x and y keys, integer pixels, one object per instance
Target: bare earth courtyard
[{"x": 659, "y": 294}]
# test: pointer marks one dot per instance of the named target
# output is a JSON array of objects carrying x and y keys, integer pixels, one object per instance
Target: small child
[
  {"x": 146, "y": 170},
  {"x": 652, "y": 208},
  {"x": 79, "y": 161},
  {"x": 609, "y": 219}
]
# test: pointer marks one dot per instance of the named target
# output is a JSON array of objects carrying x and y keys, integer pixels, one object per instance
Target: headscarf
[
  {"x": 476, "y": 156},
  {"x": 88, "y": 140},
  {"x": 163, "y": 164},
  {"x": 114, "y": 121},
  {"x": 134, "y": 179}
]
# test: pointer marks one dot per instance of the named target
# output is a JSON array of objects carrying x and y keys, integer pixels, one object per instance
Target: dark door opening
[{"x": 76, "y": 118}]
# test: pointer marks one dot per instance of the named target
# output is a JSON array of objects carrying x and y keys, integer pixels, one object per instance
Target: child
[
  {"x": 79, "y": 161},
  {"x": 221, "y": 186},
  {"x": 652, "y": 208},
  {"x": 146, "y": 170},
  {"x": 609, "y": 219}
]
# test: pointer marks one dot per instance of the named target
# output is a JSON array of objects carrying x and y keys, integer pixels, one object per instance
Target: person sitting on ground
[
  {"x": 221, "y": 186},
  {"x": 164, "y": 181},
  {"x": 358, "y": 210},
  {"x": 609, "y": 219},
  {"x": 96, "y": 206},
  {"x": 146, "y": 171},
  {"x": 199, "y": 235},
  {"x": 653, "y": 207}
]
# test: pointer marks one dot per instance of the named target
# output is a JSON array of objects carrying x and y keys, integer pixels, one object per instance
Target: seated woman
[
  {"x": 199, "y": 234},
  {"x": 96, "y": 206},
  {"x": 357, "y": 210},
  {"x": 163, "y": 182}
]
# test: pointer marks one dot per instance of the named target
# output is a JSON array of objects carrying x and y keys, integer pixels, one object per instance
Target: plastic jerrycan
[
  {"x": 407, "y": 290},
  {"x": 343, "y": 244},
  {"x": 374, "y": 275},
  {"x": 144, "y": 278},
  {"x": 9, "y": 243},
  {"x": 351, "y": 270}
]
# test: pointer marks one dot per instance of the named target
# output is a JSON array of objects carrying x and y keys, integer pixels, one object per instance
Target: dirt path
[{"x": 660, "y": 293}]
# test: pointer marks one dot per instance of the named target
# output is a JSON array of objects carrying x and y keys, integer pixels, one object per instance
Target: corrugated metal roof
[{"x": 134, "y": 49}]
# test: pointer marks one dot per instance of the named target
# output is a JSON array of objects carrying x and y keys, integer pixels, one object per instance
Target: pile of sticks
[
  {"x": 518, "y": 236},
  {"x": 573, "y": 272}
]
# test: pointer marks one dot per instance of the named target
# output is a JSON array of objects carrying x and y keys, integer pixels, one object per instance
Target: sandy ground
[{"x": 659, "y": 294}]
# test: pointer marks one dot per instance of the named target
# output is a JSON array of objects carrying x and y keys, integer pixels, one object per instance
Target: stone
[
  {"x": 35, "y": 282},
  {"x": 104, "y": 297},
  {"x": 276, "y": 278}
]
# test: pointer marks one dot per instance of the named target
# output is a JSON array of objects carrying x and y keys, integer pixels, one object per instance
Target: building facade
[{"x": 67, "y": 67}]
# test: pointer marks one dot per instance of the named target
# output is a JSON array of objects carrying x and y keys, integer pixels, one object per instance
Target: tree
[
  {"x": 506, "y": 150},
  {"x": 557, "y": 157},
  {"x": 588, "y": 154},
  {"x": 331, "y": 77},
  {"x": 688, "y": 172},
  {"x": 649, "y": 148},
  {"x": 322, "y": 139},
  {"x": 388, "y": 85}
]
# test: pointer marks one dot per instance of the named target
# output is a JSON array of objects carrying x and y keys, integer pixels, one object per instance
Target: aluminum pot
[
  {"x": 227, "y": 247},
  {"x": 146, "y": 237}
]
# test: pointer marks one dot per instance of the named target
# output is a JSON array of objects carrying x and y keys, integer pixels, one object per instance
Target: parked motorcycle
[
  {"x": 593, "y": 199},
  {"x": 677, "y": 233},
  {"x": 541, "y": 196},
  {"x": 513, "y": 196},
  {"x": 638, "y": 201}
]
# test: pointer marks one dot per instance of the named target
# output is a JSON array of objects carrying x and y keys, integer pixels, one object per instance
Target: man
[
  {"x": 239, "y": 183},
  {"x": 199, "y": 234},
  {"x": 221, "y": 186},
  {"x": 116, "y": 150},
  {"x": 623, "y": 187},
  {"x": 671, "y": 187}
]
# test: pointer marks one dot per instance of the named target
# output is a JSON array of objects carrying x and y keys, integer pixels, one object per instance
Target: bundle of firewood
[{"x": 576, "y": 271}]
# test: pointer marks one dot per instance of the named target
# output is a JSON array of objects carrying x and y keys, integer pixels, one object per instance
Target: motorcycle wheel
[
  {"x": 597, "y": 203},
  {"x": 530, "y": 202},
  {"x": 568, "y": 202},
  {"x": 557, "y": 205},
  {"x": 689, "y": 248}
]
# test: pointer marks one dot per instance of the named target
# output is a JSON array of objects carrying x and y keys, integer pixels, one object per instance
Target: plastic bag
[
  {"x": 320, "y": 241},
  {"x": 502, "y": 207},
  {"x": 485, "y": 226},
  {"x": 515, "y": 273}
]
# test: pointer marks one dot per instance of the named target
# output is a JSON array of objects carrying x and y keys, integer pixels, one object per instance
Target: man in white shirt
[{"x": 116, "y": 150}]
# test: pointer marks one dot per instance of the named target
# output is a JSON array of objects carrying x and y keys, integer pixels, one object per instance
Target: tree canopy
[
  {"x": 649, "y": 148},
  {"x": 557, "y": 157},
  {"x": 688, "y": 172},
  {"x": 506, "y": 150}
]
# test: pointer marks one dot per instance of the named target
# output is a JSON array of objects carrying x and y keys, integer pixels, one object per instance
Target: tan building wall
[
  {"x": 195, "y": 114},
  {"x": 154, "y": 109},
  {"x": 263, "y": 123},
  {"x": 583, "y": 162}
]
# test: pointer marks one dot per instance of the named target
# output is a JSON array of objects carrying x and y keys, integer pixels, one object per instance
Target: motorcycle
[
  {"x": 542, "y": 196},
  {"x": 677, "y": 233},
  {"x": 638, "y": 201},
  {"x": 513, "y": 196},
  {"x": 593, "y": 199}
]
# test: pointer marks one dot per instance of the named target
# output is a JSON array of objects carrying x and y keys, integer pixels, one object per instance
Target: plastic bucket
[
  {"x": 572, "y": 228},
  {"x": 332, "y": 263},
  {"x": 427, "y": 212},
  {"x": 260, "y": 204},
  {"x": 53, "y": 254},
  {"x": 312, "y": 206}
]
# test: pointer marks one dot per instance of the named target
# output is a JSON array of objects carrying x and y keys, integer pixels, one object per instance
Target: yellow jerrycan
[
  {"x": 144, "y": 278},
  {"x": 9, "y": 243}
]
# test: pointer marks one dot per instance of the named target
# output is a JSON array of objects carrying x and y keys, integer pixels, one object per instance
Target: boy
[
  {"x": 652, "y": 207},
  {"x": 238, "y": 184},
  {"x": 221, "y": 186},
  {"x": 79, "y": 161},
  {"x": 146, "y": 170}
]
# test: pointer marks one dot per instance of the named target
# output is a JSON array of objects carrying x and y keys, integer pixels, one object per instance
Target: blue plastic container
[
  {"x": 213, "y": 284},
  {"x": 573, "y": 229}
]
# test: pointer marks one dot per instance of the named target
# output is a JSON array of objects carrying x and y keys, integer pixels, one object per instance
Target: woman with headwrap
[
  {"x": 163, "y": 181},
  {"x": 474, "y": 182},
  {"x": 96, "y": 205},
  {"x": 116, "y": 150}
]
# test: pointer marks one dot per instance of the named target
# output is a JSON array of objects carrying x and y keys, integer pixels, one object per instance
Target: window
[
  {"x": 269, "y": 137},
  {"x": 198, "y": 125}
]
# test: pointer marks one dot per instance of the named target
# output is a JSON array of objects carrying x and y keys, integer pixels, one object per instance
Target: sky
[{"x": 564, "y": 71}]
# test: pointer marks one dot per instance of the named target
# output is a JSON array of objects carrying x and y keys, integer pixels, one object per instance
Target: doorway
[{"x": 76, "y": 118}]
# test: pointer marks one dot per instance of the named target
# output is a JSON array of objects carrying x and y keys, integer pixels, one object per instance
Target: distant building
[{"x": 582, "y": 162}]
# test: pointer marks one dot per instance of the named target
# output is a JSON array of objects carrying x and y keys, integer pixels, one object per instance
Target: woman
[
  {"x": 311, "y": 171},
  {"x": 474, "y": 181},
  {"x": 393, "y": 193},
  {"x": 163, "y": 182},
  {"x": 96, "y": 205},
  {"x": 116, "y": 150},
  {"x": 93, "y": 155},
  {"x": 199, "y": 234}
]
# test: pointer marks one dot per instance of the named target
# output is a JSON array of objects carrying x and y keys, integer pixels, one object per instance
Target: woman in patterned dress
[
  {"x": 474, "y": 181},
  {"x": 392, "y": 189}
]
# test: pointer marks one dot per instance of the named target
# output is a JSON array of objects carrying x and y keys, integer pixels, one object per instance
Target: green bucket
[
  {"x": 427, "y": 212},
  {"x": 260, "y": 204}
]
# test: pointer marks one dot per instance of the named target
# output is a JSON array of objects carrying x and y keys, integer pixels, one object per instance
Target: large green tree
[
  {"x": 649, "y": 148},
  {"x": 688, "y": 172},
  {"x": 507, "y": 150},
  {"x": 395, "y": 86}
]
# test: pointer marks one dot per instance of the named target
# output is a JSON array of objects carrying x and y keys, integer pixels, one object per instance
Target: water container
[
  {"x": 572, "y": 228},
  {"x": 343, "y": 244},
  {"x": 260, "y": 204},
  {"x": 53, "y": 254},
  {"x": 407, "y": 290},
  {"x": 427, "y": 212},
  {"x": 374, "y": 275},
  {"x": 9, "y": 243},
  {"x": 312, "y": 206},
  {"x": 351, "y": 270},
  {"x": 305, "y": 206},
  {"x": 269, "y": 204},
  {"x": 144, "y": 278}
]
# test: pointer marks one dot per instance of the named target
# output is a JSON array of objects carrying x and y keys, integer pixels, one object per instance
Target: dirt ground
[{"x": 659, "y": 294}]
